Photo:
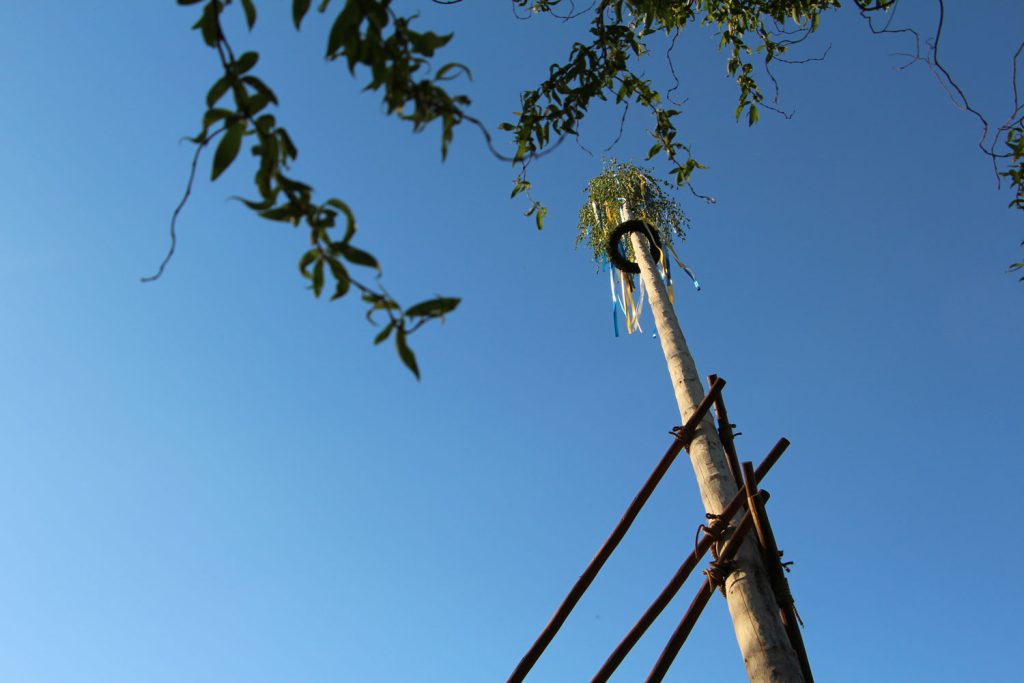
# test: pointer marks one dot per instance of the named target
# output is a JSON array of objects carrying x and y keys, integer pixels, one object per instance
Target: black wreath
[{"x": 621, "y": 230}]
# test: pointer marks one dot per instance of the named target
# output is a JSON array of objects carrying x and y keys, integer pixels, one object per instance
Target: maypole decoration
[
  {"x": 747, "y": 569},
  {"x": 659, "y": 218}
]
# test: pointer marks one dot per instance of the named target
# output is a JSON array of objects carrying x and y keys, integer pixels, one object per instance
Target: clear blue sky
[{"x": 218, "y": 478}]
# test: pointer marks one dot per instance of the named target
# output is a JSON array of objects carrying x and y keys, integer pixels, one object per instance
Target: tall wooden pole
[{"x": 762, "y": 638}]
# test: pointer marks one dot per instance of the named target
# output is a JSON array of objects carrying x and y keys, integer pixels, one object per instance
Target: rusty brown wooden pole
[
  {"x": 683, "y": 436},
  {"x": 773, "y": 564},
  {"x": 726, "y": 436},
  {"x": 679, "y": 578},
  {"x": 704, "y": 593}
]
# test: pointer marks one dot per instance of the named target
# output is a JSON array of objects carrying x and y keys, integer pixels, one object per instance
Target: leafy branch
[
  {"x": 358, "y": 35},
  {"x": 608, "y": 68},
  {"x": 369, "y": 37}
]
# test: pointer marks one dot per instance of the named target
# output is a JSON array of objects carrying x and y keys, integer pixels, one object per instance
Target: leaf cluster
[
  {"x": 402, "y": 64},
  {"x": 370, "y": 34},
  {"x": 607, "y": 67},
  {"x": 647, "y": 198},
  {"x": 394, "y": 58}
]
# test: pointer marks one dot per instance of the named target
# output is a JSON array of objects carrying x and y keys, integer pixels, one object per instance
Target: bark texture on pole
[{"x": 761, "y": 636}]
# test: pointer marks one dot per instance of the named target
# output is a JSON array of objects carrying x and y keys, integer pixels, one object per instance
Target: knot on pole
[
  {"x": 718, "y": 571},
  {"x": 718, "y": 530},
  {"x": 781, "y": 589},
  {"x": 686, "y": 433}
]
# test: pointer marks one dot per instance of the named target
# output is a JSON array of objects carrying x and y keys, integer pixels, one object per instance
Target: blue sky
[{"x": 216, "y": 477}]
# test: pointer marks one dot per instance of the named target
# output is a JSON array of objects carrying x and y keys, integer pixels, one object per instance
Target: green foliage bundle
[
  {"x": 647, "y": 199},
  {"x": 365, "y": 33},
  {"x": 378, "y": 44}
]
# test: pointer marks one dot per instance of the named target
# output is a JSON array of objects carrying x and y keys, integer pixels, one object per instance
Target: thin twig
[{"x": 200, "y": 145}]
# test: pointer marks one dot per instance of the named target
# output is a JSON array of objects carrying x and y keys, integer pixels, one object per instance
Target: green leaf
[
  {"x": 520, "y": 151},
  {"x": 294, "y": 185},
  {"x": 306, "y": 260},
  {"x": 752, "y": 115},
  {"x": 538, "y": 211},
  {"x": 357, "y": 256},
  {"x": 433, "y": 308},
  {"x": 385, "y": 333},
  {"x": 261, "y": 205},
  {"x": 428, "y": 42},
  {"x": 286, "y": 141},
  {"x": 260, "y": 87},
  {"x": 318, "y": 277},
  {"x": 539, "y": 218},
  {"x": 350, "y": 217},
  {"x": 521, "y": 185},
  {"x": 265, "y": 124},
  {"x": 347, "y": 22},
  {"x": 217, "y": 91},
  {"x": 212, "y": 116},
  {"x": 299, "y": 9},
  {"x": 228, "y": 148},
  {"x": 208, "y": 24},
  {"x": 245, "y": 62},
  {"x": 189, "y": 2},
  {"x": 250, "y": 13},
  {"x": 341, "y": 278},
  {"x": 286, "y": 213},
  {"x": 256, "y": 103},
  {"x": 405, "y": 353},
  {"x": 451, "y": 71}
]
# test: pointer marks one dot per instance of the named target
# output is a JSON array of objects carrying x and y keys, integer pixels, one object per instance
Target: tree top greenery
[
  {"x": 646, "y": 196},
  {"x": 383, "y": 47}
]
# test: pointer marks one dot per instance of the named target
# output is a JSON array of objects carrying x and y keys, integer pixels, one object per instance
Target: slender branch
[
  {"x": 181, "y": 205},
  {"x": 672, "y": 70},
  {"x": 622, "y": 127},
  {"x": 988, "y": 140},
  {"x": 807, "y": 60}
]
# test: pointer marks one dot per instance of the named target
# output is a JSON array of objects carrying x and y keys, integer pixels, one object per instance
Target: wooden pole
[
  {"x": 767, "y": 654},
  {"x": 772, "y": 559}
]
